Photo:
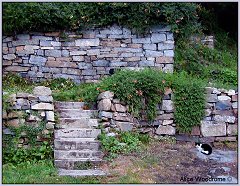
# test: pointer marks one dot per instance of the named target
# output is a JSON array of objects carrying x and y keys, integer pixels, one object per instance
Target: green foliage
[
  {"x": 41, "y": 172},
  {"x": 214, "y": 65},
  {"x": 52, "y": 16},
  {"x": 189, "y": 100},
  {"x": 19, "y": 155},
  {"x": 124, "y": 142},
  {"x": 59, "y": 84},
  {"x": 34, "y": 152},
  {"x": 139, "y": 90},
  {"x": 13, "y": 82}
]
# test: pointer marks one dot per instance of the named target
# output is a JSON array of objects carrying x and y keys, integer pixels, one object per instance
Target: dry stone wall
[
  {"x": 30, "y": 110},
  {"x": 219, "y": 123},
  {"x": 87, "y": 56}
]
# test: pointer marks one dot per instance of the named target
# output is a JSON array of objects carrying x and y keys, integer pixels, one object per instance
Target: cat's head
[{"x": 197, "y": 144}]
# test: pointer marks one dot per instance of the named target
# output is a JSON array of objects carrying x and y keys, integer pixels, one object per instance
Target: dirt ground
[{"x": 180, "y": 162}]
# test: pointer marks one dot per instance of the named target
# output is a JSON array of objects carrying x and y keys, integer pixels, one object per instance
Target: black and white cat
[{"x": 204, "y": 148}]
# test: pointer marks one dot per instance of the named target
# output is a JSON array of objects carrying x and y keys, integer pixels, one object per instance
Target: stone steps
[
  {"x": 68, "y": 105},
  {"x": 76, "y": 154},
  {"x": 76, "y": 148},
  {"x": 77, "y": 123},
  {"x": 76, "y": 144},
  {"x": 78, "y": 173},
  {"x": 77, "y": 133},
  {"x": 77, "y": 113},
  {"x": 78, "y": 164}
]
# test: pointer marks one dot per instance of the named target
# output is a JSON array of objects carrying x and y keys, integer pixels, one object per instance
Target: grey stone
[
  {"x": 170, "y": 36},
  {"x": 93, "y": 52},
  {"x": 122, "y": 117},
  {"x": 167, "y": 122},
  {"x": 40, "y": 52},
  {"x": 46, "y": 98},
  {"x": 106, "y": 95},
  {"x": 78, "y": 58},
  {"x": 149, "y": 46},
  {"x": 224, "y": 98},
  {"x": 152, "y": 53},
  {"x": 168, "y": 53},
  {"x": 43, "y": 106},
  {"x": 104, "y": 114},
  {"x": 235, "y": 105},
  {"x": 104, "y": 104},
  {"x": 44, "y": 38},
  {"x": 112, "y": 30},
  {"x": 23, "y": 36},
  {"x": 146, "y": 63},
  {"x": 37, "y": 60},
  {"x": 118, "y": 64},
  {"x": 232, "y": 130},
  {"x": 42, "y": 91},
  {"x": 101, "y": 63},
  {"x": 25, "y": 42},
  {"x": 211, "y": 128},
  {"x": 65, "y": 53},
  {"x": 53, "y": 53},
  {"x": 228, "y": 119},
  {"x": 124, "y": 126},
  {"x": 9, "y": 56},
  {"x": 89, "y": 72},
  {"x": 77, "y": 53},
  {"x": 166, "y": 45},
  {"x": 167, "y": 105},
  {"x": 168, "y": 68},
  {"x": 87, "y": 42},
  {"x": 156, "y": 38},
  {"x": 50, "y": 116},
  {"x": 45, "y": 43},
  {"x": 141, "y": 40},
  {"x": 50, "y": 125},
  {"x": 223, "y": 105},
  {"x": 169, "y": 130},
  {"x": 83, "y": 65},
  {"x": 216, "y": 91},
  {"x": 120, "y": 108},
  {"x": 212, "y": 98}
]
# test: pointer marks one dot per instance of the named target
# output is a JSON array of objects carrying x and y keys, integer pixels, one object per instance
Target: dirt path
[{"x": 165, "y": 162}]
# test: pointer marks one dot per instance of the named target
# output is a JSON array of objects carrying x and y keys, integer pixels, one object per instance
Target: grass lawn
[{"x": 39, "y": 173}]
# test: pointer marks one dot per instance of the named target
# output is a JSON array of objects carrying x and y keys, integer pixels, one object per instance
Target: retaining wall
[{"x": 87, "y": 56}]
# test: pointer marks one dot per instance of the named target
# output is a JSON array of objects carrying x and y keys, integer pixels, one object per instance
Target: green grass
[{"x": 40, "y": 173}]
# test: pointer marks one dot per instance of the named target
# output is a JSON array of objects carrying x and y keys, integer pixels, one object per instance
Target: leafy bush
[
  {"x": 124, "y": 142},
  {"x": 189, "y": 100},
  {"x": 214, "y": 65},
  {"x": 34, "y": 152},
  {"x": 19, "y": 155},
  {"x": 139, "y": 90},
  {"x": 19, "y": 17}
]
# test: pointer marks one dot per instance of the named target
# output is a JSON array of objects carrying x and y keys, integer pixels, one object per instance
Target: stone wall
[
  {"x": 88, "y": 56},
  {"x": 219, "y": 123},
  {"x": 31, "y": 110}
]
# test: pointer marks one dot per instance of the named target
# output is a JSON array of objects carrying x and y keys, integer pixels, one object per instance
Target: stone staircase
[{"x": 76, "y": 148}]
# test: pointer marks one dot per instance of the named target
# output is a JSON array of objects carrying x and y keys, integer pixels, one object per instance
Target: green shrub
[
  {"x": 189, "y": 101},
  {"x": 214, "y": 65},
  {"x": 20, "y": 17},
  {"x": 124, "y": 142},
  {"x": 139, "y": 90}
]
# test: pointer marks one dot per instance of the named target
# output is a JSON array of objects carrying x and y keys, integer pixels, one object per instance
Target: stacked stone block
[
  {"x": 30, "y": 109},
  {"x": 221, "y": 118},
  {"x": 219, "y": 123},
  {"x": 88, "y": 56},
  {"x": 114, "y": 115}
]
